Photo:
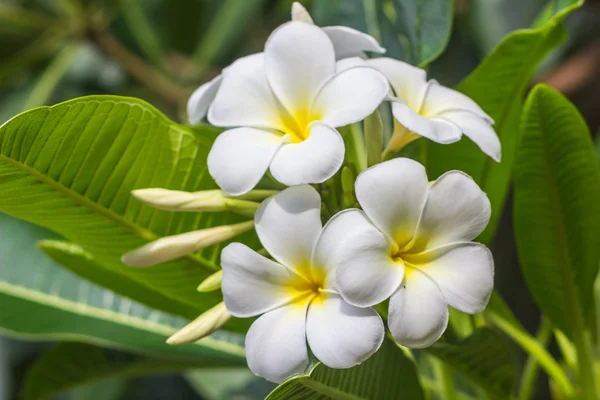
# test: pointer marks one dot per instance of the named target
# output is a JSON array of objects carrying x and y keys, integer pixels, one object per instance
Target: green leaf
[
  {"x": 417, "y": 31},
  {"x": 484, "y": 357},
  {"x": 71, "y": 168},
  {"x": 42, "y": 301},
  {"x": 556, "y": 213},
  {"x": 498, "y": 86},
  {"x": 70, "y": 365},
  {"x": 228, "y": 383},
  {"x": 388, "y": 374}
]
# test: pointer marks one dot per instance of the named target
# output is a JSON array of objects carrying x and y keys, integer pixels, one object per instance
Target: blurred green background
[{"x": 161, "y": 50}]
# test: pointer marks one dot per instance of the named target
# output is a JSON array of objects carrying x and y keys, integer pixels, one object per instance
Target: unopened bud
[
  {"x": 204, "y": 201},
  {"x": 401, "y": 137},
  {"x": 211, "y": 283},
  {"x": 172, "y": 247},
  {"x": 204, "y": 325},
  {"x": 300, "y": 14}
]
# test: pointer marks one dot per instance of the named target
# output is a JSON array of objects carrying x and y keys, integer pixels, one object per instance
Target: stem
[
  {"x": 52, "y": 77},
  {"x": 357, "y": 153},
  {"x": 531, "y": 346},
  {"x": 530, "y": 372},
  {"x": 149, "y": 77},
  {"x": 584, "y": 359}
]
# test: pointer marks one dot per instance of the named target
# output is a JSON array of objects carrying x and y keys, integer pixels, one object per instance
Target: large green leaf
[
  {"x": 498, "y": 86},
  {"x": 70, "y": 365},
  {"x": 389, "y": 374},
  {"x": 556, "y": 213},
  {"x": 415, "y": 31},
  {"x": 484, "y": 357},
  {"x": 41, "y": 300},
  {"x": 71, "y": 168}
]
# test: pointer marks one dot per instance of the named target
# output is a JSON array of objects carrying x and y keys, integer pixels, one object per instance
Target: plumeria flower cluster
[{"x": 315, "y": 288}]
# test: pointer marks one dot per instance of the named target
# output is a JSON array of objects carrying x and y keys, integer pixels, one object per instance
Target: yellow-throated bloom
[
  {"x": 347, "y": 42},
  {"x": 295, "y": 295},
  {"x": 286, "y": 103},
  {"x": 413, "y": 244}
]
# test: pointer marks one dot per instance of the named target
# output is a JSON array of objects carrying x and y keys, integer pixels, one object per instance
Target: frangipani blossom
[
  {"x": 347, "y": 42},
  {"x": 412, "y": 243},
  {"x": 286, "y": 103},
  {"x": 295, "y": 295},
  {"x": 428, "y": 109}
]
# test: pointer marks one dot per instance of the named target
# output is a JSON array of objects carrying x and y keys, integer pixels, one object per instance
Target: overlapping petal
[
  {"x": 440, "y": 99},
  {"x": 288, "y": 225},
  {"x": 349, "y": 42},
  {"x": 245, "y": 98},
  {"x": 341, "y": 335},
  {"x": 201, "y": 99},
  {"x": 276, "y": 343},
  {"x": 313, "y": 160},
  {"x": 456, "y": 210},
  {"x": 435, "y": 129},
  {"x": 409, "y": 83},
  {"x": 299, "y": 59},
  {"x": 418, "y": 313},
  {"x": 239, "y": 158},
  {"x": 392, "y": 194},
  {"x": 463, "y": 271},
  {"x": 350, "y": 96},
  {"x": 252, "y": 284},
  {"x": 478, "y": 130},
  {"x": 365, "y": 273}
]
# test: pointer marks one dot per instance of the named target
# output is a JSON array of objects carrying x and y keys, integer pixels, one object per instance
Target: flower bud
[
  {"x": 204, "y": 201},
  {"x": 401, "y": 137},
  {"x": 300, "y": 14},
  {"x": 171, "y": 247},
  {"x": 204, "y": 325},
  {"x": 211, "y": 283}
]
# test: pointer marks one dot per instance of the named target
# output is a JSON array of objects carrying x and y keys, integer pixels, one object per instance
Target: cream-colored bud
[
  {"x": 400, "y": 138},
  {"x": 211, "y": 283},
  {"x": 300, "y": 14},
  {"x": 202, "y": 326},
  {"x": 204, "y": 201},
  {"x": 172, "y": 247}
]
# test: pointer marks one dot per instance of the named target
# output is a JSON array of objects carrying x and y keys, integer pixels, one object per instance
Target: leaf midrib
[{"x": 94, "y": 207}]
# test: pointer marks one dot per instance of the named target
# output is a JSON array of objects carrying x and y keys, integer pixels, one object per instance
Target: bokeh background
[{"x": 160, "y": 50}]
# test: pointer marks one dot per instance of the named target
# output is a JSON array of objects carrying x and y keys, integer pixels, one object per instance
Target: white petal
[
  {"x": 347, "y": 63},
  {"x": 341, "y": 335},
  {"x": 276, "y": 343},
  {"x": 478, "y": 130},
  {"x": 300, "y": 14},
  {"x": 440, "y": 99},
  {"x": 436, "y": 129},
  {"x": 245, "y": 98},
  {"x": 409, "y": 83},
  {"x": 201, "y": 100},
  {"x": 252, "y": 284},
  {"x": 393, "y": 194},
  {"x": 313, "y": 160},
  {"x": 350, "y": 96},
  {"x": 365, "y": 273},
  {"x": 464, "y": 272},
  {"x": 456, "y": 210},
  {"x": 299, "y": 58},
  {"x": 418, "y": 314},
  {"x": 349, "y": 42},
  {"x": 239, "y": 158},
  {"x": 289, "y": 223}
]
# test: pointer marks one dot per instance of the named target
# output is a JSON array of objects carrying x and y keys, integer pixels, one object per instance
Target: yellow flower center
[
  {"x": 297, "y": 125},
  {"x": 307, "y": 285}
]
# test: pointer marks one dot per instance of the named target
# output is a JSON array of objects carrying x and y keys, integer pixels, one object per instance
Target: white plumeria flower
[
  {"x": 413, "y": 243},
  {"x": 347, "y": 42},
  {"x": 428, "y": 109},
  {"x": 287, "y": 103},
  {"x": 294, "y": 295}
]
